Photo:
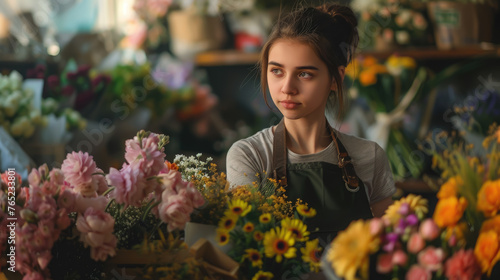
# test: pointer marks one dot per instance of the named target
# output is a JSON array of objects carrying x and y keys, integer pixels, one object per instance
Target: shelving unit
[{"x": 234, "y": 57}]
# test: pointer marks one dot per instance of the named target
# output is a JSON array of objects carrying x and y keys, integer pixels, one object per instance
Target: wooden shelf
[
  {"x": 226, "y": 57},
  {"x": 233, "y": 57}
]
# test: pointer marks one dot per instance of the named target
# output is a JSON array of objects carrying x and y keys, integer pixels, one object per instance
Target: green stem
[{"x": 108, "y": 191}]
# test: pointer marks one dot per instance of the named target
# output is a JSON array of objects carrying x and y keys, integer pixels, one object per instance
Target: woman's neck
[{"x": 305, "y": 137}]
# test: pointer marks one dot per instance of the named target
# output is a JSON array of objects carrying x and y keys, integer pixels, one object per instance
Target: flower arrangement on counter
[
  {"x": 390, "y": 87},
  {"x": 74, "y": 206},
  {"x": 458, "y": 240}
]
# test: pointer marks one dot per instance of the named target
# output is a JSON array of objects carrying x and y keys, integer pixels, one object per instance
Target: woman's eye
[
  {"x": 276, "y": 71},
  {"x": 305, "y": 75}
]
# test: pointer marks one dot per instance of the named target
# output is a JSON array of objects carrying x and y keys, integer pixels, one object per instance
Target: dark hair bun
[{"x": 345, "y": 24}]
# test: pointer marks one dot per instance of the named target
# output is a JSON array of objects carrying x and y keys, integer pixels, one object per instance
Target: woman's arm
[{"x": 379, "y": 207}]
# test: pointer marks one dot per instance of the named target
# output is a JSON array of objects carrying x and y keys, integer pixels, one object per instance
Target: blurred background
[{"x": 87, "y": 75}]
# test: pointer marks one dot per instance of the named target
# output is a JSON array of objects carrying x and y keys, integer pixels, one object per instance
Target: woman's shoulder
[
  {"x": 258, "y": 140},
  {"x": 360, "y": 148}
]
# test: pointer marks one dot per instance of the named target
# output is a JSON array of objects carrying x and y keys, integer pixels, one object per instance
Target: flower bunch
[
  {"x": 468, "y": 199},
  {"x": 389, "y": 87},
  {"x": 17, "y": 113},
  {"x": 391, "y": 23},
  {"x": 268, "y": 245},
  {"x": 404, "y": 244},
  {"x": 81, "y": 202},
  {"x": 210, "y": 183},
  {"x": 151, "y": 30},
  {"x": 76, "y": 91}
]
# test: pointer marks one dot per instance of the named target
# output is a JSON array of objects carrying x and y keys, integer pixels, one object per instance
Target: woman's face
[{"x": 298, "y": 80}]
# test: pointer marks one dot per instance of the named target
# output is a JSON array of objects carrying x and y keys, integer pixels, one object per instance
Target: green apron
[{"x": 333, "y": 190}]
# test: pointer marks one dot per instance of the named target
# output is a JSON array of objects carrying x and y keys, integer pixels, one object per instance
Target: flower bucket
[
  {"x": 460, "y": 24},
  {"x": 193, "y": 32},
  {"x": 195, "y": 231}
]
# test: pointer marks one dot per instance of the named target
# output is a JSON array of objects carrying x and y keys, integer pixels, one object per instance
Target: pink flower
[
  {"x": 417, "y": 272},
  {"x": 34, "y": 177},
  {"x": 384, "y": 263},
  {"x": 175, "y": 212},
  {"x": 399, "y": 258},
  {"x": 34, "y": 275},
  {"x": 62, "y": 221},
  {"x": 376, "y": 226},
  {"x": 46, "y": 211},
  {"x": 56, "y": 176},
  {"x": 78, "y": 169},
  {"x": 129, "y": 185},
  {"x": 429, "y": 230},
  {"x": 43, "y": 259},
  {"x": 67, "y": 200},
  {"x": 416, "y": 243},
  {"x": 146, "y": 153},
  {"x": 431, "y": 258},
  {"x": 82, "y": 204},
  {"x": 96, "y": 228},
  {"x": 100, "y": 181},
  {"x": 463, "y": 266}
]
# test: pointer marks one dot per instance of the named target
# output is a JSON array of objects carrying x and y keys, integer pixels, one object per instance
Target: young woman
[{"x": 343, "y": 177}]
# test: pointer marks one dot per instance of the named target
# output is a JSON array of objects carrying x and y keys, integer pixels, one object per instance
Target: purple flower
[
  {"x": 411, "y": 220},
  {"x": 53, "y": 81}
]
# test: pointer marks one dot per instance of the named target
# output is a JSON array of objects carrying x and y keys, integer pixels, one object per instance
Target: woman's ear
[
  {"x": 342, "y": 72},
  {"x": 342, "y": 75}
]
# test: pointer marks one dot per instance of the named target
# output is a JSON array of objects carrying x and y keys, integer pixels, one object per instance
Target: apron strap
[
  {"x": 345, "y": 163},
  {"x": 280, "y": 153}
]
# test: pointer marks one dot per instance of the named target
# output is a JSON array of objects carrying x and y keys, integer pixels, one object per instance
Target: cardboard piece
[{"x": 214, "y": 259}]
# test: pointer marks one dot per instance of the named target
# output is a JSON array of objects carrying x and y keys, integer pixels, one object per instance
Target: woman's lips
[{"x": 289, "y": 104}]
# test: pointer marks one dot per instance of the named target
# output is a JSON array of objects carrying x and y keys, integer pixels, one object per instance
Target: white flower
[
  {"x": 402, "y": 37},
  {"x": 15, "y": 80},
  {"x": 22, "y": 126}
]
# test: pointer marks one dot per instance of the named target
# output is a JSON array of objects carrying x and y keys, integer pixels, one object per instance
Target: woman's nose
[{"x": 289, "y": 86}]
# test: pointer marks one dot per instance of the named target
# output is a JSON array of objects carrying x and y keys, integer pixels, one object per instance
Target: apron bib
[{"x": 335, "y": 191}]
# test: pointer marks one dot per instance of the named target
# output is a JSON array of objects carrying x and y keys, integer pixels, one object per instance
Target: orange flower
[
  {"x": 449, "y": 188},
  {"x": 486, "y": 250},
  {"x": 488, "y": 198},
  {"x": 449, "y": 211},
  {"x": 369, "y": 61},
  {"x": 171, "y": 165},
  {"x": 367, "y": 77},
  {"x": 491, "y": 224}
]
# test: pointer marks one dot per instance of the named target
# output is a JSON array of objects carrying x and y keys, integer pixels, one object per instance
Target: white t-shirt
[{"x": 253, "y": 155}]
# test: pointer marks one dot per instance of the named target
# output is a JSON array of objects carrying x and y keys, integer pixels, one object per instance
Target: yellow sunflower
[
  {"x": 238, "y": 208},
  {"x": 279, "y": 242},
  {"x": 254, "y": 256},
  {"x": 265, "y": 218},
  {"x": 248, "y": 227},
  {"x": 350, "y": 252},
  {"x": 311, "y": 254},
  {"x": 305, "y": 211},
  {"x": 222, "y": 237},
  {"x": 297, "y": 227},
  {"x": 228, "y": 222},
  {"x": 418, "y": 205},
  {"x": 258, "y": 235},
  {"x": 261, "y": 275}
]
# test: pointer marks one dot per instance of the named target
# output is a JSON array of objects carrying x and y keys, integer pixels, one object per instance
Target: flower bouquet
[
  {"x": 267, "y": 239},
  {"x": 460, "y": 241},
  {"x": 80, "y": 216},
  {"x": 389, "y": 88}
]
